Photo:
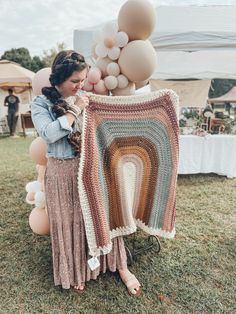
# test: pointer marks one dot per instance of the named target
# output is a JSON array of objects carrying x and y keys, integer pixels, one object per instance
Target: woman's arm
[{"x": 50, "y": 130}]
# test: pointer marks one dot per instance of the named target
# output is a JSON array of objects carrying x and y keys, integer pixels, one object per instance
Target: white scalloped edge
[{"x": 155, "y": 231}]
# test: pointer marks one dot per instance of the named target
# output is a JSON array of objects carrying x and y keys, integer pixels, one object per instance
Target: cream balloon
[
  {"x": 39, "y": 222},
  {"x": 113, "y": 69},
  {"x": 121, "y": 39},
  {"x": 101, "y": 50},
  {"x": 122, "y": 81},
  {"x": 137, "y": 18},
  {"x": 38, "y": 151},
  {"x": 114, "y": 53},
  {"x": 127, "y": 91},
  {"x": 102, "y": 63},
  {"x": 137, "y": 60},
  {"x": 110, "y": 82},
  {"x": 40, "y": 80}
]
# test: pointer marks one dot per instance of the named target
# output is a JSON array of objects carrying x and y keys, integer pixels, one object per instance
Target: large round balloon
[
  {"x": 40, "y": 80},
  {"x": 127, "y": 91},
  {"x": 137, "y": 18},
  {"x": 38, "y": 151},
  {"x": 138, "y": 60},
  {"x": 39, "y": 222}
]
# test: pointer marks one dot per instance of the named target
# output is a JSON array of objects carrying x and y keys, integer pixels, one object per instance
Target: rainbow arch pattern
[{"x": 142, "y": 130}]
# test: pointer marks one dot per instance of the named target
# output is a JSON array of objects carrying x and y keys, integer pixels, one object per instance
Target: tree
[
  {"x": 19, "y": 55},
  {"x": 37, "y": 64},
  {"x": 50, "y": 54},
  {"x": 22, "y": 56},
  {"x": 220, "y": 87}
]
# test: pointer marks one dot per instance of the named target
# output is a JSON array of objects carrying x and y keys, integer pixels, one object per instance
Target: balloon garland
[
  {"x": 122, "y": 52},
  {"x": 123, "y": 60},
  {"x": 38, "y": 218}
]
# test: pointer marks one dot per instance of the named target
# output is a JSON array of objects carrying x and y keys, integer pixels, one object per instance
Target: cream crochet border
[{"x": 90, "y": 232}]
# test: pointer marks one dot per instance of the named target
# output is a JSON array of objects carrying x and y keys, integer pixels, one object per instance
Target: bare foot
[
  {"x": 79, "y": 289},
  {"x": 130, "y": 281}
]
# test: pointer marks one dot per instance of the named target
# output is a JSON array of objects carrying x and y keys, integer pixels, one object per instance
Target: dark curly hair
[{"x": 65, "y": 63}]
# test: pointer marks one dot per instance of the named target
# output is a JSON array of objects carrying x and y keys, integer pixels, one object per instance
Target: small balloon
[
  {"x": 94, "y": 75},
  {"x": 110, "y": 82},
  {"x": 100, "y": 88},
  {"x": 113, "y": 69},
  {"x": 33, "y": 186}
]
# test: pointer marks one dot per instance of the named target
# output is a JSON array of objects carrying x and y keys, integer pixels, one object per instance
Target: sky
[{"x": 39, "y": 25}]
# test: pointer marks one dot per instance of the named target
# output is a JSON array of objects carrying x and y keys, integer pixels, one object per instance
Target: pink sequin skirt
[{"x": 69, "y": 244}]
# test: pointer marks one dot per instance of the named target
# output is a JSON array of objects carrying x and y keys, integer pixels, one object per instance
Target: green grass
[{"x": 195, "y": 273}]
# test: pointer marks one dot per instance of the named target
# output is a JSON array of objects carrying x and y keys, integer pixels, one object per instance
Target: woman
[{"x": 57, "y": 118}]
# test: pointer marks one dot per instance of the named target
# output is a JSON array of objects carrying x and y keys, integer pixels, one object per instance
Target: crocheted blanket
[{"x": 140, "y": 132}]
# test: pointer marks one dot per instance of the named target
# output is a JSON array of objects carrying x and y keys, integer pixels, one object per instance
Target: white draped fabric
[{"x": 212, "y": 153}]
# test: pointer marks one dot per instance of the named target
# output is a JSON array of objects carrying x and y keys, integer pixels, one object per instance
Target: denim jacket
[{"x": 55, "y": 131}]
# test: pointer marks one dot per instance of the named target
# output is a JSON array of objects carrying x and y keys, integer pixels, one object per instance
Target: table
[{"x": 212, "y": 153}]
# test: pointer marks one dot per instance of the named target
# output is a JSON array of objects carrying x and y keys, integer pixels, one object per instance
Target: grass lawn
[{"x": 195, "y": 273}]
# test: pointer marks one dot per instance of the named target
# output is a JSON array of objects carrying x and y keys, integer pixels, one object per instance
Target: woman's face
[{"x": 74, "y": 83}]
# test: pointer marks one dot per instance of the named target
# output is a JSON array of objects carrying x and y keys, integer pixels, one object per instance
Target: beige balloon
[
  {"x": 38, "y": 151},
  {"x": 137, "y": 60},
  {"x": 141, "y": 84},
  {"x": 39, "y": 222},
  {"x": 137, "y": 18},
  {"x": 127, "y": 91}
]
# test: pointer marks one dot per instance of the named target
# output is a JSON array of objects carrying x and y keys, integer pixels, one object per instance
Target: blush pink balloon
[
  {"x": 40, "y": 80},
  {"x": 94, "y": 75},
  {"x": 38, "y": 151},
  {"x": 100, "y": 88},
  {"x": 87, "y": 86}
]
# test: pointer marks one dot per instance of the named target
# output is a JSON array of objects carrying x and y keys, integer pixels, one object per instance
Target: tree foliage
[
  {"x": 49, "y": 55},
  {"x": 220, "y": 87},
  {"x": 22, "y": 56}
]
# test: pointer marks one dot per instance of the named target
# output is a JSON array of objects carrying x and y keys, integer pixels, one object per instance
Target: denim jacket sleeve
[{"x": 51, "y": 129}]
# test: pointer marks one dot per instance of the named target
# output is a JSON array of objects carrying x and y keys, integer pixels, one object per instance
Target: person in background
[
  {"x": 58, "y": 120},
  {"x": 12, "y": 102}
]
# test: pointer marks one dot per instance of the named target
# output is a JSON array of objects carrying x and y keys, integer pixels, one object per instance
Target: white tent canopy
[
  {"x": 190, "y": 41},
  {"x": 191, "y": 28}
]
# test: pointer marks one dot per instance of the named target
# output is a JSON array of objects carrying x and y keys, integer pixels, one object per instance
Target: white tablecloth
[{"x": 212, "y": 153}]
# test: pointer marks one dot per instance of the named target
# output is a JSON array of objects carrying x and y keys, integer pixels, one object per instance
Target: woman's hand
[{"x": 82, "y": 101}]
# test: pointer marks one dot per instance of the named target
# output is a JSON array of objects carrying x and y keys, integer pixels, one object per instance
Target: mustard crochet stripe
[{"x": 142, "y": 130}]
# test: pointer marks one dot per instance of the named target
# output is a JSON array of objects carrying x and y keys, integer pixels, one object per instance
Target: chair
[{"x": 26, "y": 122}]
